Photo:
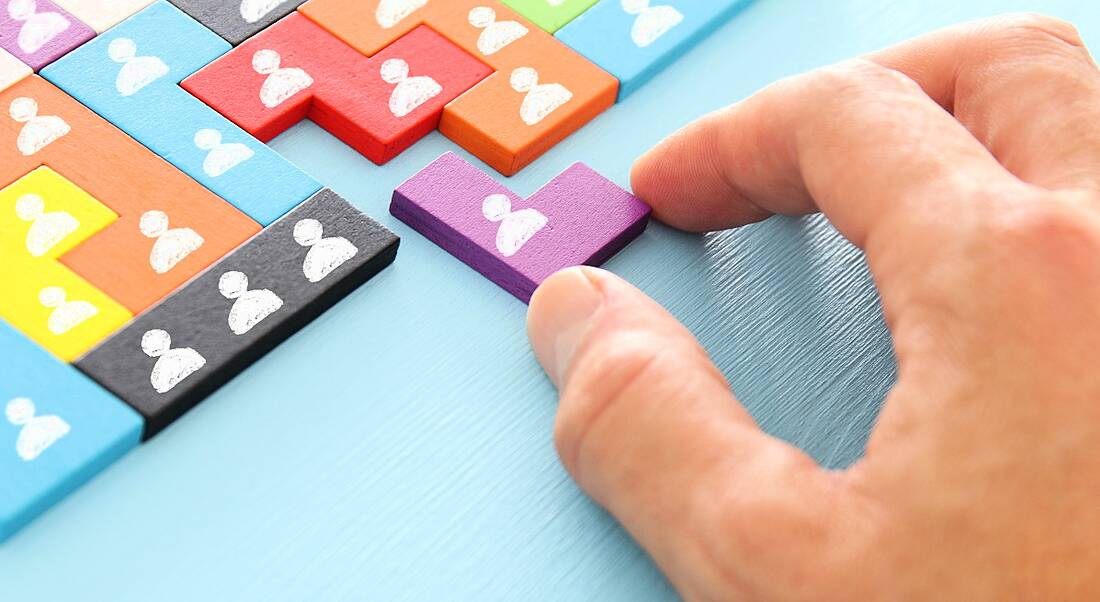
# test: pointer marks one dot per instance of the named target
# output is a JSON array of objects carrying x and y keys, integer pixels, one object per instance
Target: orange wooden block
[
  {"x": 169, "y": 227},
  {"x": 541, "y": 92}
]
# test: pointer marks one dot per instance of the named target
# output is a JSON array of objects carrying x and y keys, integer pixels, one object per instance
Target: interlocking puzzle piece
[
  {"x": 295, "y": 69},
  {"x": 578, "y": 218},
  {"x": 168, "y": 359},
  {"x": 137, "y": 259},
  {"x": 131, "y": 75},
  {"x": 38, "y": 32},
  {"x": 551, "y": 15},
  {"x": 11, "y": 70},
  {"x": 636, "y": 39},
  {"x": 102, "y": 15},
  {"x": 236, "y": 21},
  {"x": 60, "y": 429},
  {"x": 541, "y": 92}
]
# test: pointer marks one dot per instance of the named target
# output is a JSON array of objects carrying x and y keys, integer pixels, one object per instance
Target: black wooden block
[
  {"x": 237, "y": 20},
  {"x": 171, "y": 357}
]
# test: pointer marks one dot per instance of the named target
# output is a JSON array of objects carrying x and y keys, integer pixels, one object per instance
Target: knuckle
[
  {"x": 1038, "y": 28},
  {"x": 858, "y": 77},
  {"x": 1027, "y": 36},
  {"x": 1053, "y": 230}
]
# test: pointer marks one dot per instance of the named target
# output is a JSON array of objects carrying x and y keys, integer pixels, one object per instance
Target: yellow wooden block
[{"x": 43, "y": 215}]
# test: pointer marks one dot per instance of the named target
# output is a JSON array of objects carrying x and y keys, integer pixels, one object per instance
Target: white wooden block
[
  {"x": 102, "y": 15},
  {"x": 11, "y": 70}
]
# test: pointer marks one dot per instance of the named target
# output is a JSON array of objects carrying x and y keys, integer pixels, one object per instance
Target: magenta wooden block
[
  {"x": 579, "y": 218},
  {"x": 38, "y": 32}
]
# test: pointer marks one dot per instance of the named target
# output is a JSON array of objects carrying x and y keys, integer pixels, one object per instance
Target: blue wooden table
[{"x": 400, "y": 447}]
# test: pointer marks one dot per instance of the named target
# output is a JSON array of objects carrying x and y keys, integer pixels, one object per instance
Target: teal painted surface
[{"x": 400, "y": 448}]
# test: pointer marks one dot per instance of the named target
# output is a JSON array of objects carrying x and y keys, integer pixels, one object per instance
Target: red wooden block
[{"x": 379, "y": 105}]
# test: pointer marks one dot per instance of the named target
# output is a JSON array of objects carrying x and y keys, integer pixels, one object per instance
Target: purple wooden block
[
  {"x": 38, "y": 32},
  {"x": 579, "y": 218}
]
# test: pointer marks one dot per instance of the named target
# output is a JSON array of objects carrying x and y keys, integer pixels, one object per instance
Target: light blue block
[
  {"x": 635, "y": 47},
  {"x": 165, "y": 117},
  {"x": 59, "y": 429}
]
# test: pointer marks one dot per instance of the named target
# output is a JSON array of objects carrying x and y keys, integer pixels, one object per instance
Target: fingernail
[{"x": 562, "y": 312}]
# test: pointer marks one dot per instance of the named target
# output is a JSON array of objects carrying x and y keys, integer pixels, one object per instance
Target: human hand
[{"x": 966, "y": 165}]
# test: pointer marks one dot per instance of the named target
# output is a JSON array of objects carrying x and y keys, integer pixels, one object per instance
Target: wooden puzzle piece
[
  {"x": 45, "y": 216},
  {"x": 237, "y": 20},
  {"x": 11, "y": 70},
  {"x": 59, "y": 430},
  {"x": 578, "y": 218},
  {"x": 168, "y": 359},
  {"x": 295, "y": 69},
  {"x": 550, "y": 15},
  {"x": 38, "y": 32},
  {"x": 131, "y": 75},
  {"x": 635, "y": 39},
  {"x": 102, "y": 15},
  {"x": 44, "y": 126},
  {"x": 541, "y": 92}
]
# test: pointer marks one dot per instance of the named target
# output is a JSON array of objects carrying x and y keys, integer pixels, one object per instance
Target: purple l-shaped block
[
  {"x": 579, "y": 218},
  {"x": 38, "y": 32}
]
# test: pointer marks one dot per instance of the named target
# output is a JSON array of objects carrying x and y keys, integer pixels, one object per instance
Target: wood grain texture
[{"x": 399, "y": 448}]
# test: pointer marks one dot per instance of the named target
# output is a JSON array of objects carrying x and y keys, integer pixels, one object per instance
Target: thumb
[{"x": 648, "y": 426}]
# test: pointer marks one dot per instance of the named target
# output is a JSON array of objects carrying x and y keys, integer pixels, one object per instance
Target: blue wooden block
[
  {"x": 635, "y": 39},
  {"x": 130, "y": 75},
  {"x": 59, "y": 429}
]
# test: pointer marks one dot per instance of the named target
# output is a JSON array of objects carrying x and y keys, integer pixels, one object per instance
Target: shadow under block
[
  {"x": 131, "y": 75},
  {"x": 540, "y": 92},
  {"x": 41, "y": 216},
  {"x": 130, "y": 265},
  {"x": 38, "y": 32},
  {"x": 237, "y": 20},
  {"x": 102, "y": 15},
  {"x": 635, "y": 47},
  {"x": 548, "y": 15},
  {"x": 11, "y": 70},
  {"x": 59, "y": 430},
  {"x": 170, "y": 358},
  {"x": 578, "y": 218},
  {"x": 310, "y": 73}
]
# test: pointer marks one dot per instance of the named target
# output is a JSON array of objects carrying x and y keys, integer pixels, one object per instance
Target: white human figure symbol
[
  {"x": 220, "y": 158},
  {"x": 38, "y": 29},
  {"x": 516, "y": 227},
  {"x": 408, "y": 92},
  {"x": 391, "y": 12},
  {"x": 281, "y": 82},
  {"x": 66, "y": 315},
  {"x": 38, "y": 433},
  {"x": 137, "y": 71},
  {"x": 650, "y": 23},
  {"x": 325, "y": 254},
  {"x": 38, "y": 131},
  {"x": 541, "y": 99},
  {"x": 495, "y": 35},
  {"x": 254, "y": 10},
  {"x": 47, "y": 229},
  {"x": 250, "y": 307},
  {"x": 173, "y": 365},
  {"x": 172, "y": 245}
]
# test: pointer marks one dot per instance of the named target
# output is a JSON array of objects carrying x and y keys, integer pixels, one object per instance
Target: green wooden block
[{"x": 547, "y": 16}]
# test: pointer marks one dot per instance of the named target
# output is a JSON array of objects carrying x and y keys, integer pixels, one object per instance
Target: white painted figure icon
[
  {"x": 66, "y": 315},
  {"x": 541, "y": 99},
  {"x": 38, "y": 131},
  {"x": 250, "y": 307},
  {"x": 220, "y": 157},
  {"x": 137, "y": 71},
  {"x": 172, "y": 245},
  {"x": 38, "y": 28},
  {"x": 173, "y": 365},
  {"x": 408, "y": 92},
  {"x": 36, "y": 433},
  {"x": 391, "y": 12},
  {"x": 495, "y": 35},
  {"x": 47, "y": 229},
  {"x": 281, "y": 82},
  {"x": 650, "y": 22},
  {"x": 254, "y": 10},
  {"x": 325, "y": 254},
  {"x": 516, "y": 227}
]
